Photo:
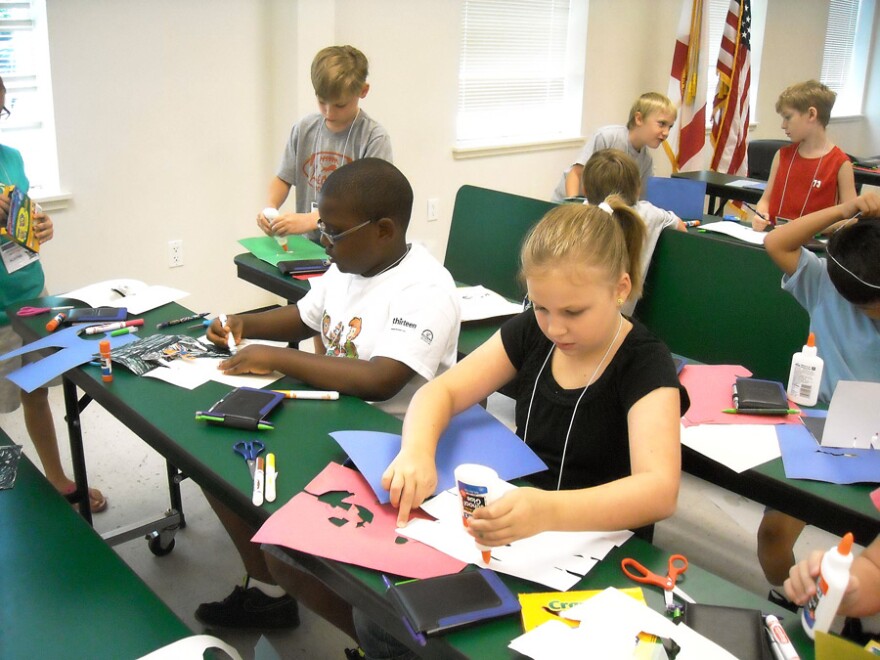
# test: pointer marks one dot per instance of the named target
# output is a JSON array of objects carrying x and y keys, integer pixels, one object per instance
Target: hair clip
[{"x": 607, "y": 208}]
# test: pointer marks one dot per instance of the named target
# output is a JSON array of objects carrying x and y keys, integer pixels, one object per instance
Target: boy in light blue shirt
[{"x": 842, "y": 295}]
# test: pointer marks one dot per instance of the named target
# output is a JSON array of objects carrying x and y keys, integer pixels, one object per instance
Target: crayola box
[
  {"x": 20, "y": 222},
  {"x": 542, "y": 607}
]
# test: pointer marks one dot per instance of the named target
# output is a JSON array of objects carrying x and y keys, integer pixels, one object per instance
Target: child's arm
[
  {"x": 412, "y": 475},
  {"x": 862, "y": 596},
  {"x": 649, "y": 494},
  {"x": 846, "y": 182},
  {"x": 784, "y": 243},
  {"x": 573, "y": 183},
  {"x": 760, "y": 223},
  {"x": 278, "y": 191}
]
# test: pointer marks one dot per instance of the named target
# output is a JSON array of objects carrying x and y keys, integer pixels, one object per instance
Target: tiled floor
[{"x": 713, "y": 527}]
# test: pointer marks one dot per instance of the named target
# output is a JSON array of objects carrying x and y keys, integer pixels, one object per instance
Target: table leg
[{"x": 77, "y": 455}]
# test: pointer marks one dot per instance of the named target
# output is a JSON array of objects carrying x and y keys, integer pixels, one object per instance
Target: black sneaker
[
  {"x": 354, "y": 654},
  {"x": 250, "y": 608},
  {"x": 780, "y": 599}
]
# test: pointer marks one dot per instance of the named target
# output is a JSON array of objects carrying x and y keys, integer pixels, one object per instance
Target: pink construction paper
[
  {"x": 304, "y": 524},
  {"x": 875, "y": 498},
  {"x": 709, "y": 387}
]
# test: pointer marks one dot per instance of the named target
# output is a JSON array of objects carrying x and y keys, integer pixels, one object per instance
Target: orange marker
[{"x": 57, "y": 320}]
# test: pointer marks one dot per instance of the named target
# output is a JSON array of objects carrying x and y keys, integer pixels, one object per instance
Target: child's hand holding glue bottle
[{"x": 477, "y": 488}]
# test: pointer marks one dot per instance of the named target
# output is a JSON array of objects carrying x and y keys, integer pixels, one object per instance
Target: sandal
[{"x": 97, "y": 501}]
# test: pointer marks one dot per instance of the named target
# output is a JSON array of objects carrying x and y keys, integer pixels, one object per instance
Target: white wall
[{"x": 171, "y": 116}]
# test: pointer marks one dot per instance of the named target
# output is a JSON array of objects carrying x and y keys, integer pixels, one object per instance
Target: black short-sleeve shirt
[{"x": 598, "y": 447}]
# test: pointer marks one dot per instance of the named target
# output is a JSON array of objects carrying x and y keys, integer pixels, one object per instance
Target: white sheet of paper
[
  {"x": 748, "y": 183},
  {"x": 134, "y": 295},
  {"x": 478, "y": 302},
  {"x": 736, "y": 230},
  {"x": 192, "y": 373},
  {"x": 738, "y": 446},
  {"x": 853, "y": 416},
  {"x": 555, "y": 559}
]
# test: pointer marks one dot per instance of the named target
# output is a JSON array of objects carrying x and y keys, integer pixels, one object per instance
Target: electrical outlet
[
  {"x": 175, "y": 254},
  {"x": 433, "y": 209}
]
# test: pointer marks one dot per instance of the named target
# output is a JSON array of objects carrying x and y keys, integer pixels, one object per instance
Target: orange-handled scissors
[{"x": 678, "y": 564}]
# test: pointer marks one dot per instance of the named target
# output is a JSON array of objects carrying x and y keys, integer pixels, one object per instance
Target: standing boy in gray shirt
[{"x": 325, "y": 141}]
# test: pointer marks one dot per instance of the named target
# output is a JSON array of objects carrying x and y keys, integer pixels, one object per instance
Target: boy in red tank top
[{"x": 812, "y": 173}]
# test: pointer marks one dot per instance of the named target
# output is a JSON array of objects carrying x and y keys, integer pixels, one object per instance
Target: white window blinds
[{"x": 519, "y": 74}]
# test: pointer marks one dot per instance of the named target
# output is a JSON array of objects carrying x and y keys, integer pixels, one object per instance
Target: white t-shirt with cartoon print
[{"x": 409, "y": 314}]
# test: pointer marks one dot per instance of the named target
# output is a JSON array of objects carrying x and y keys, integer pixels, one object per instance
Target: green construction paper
[{"x": 266, "y": 249}]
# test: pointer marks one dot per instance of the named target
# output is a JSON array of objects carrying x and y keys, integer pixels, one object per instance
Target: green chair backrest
[
  {"x": 719, "y": 301},
  {"x": 485, "y": 237}
]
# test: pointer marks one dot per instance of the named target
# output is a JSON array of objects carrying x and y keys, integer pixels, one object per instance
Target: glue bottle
[
  {"x": 475, "y": 484},
  {"x": 805, "y": 376},
  {"x": 819, "y": 612},
  {"x": 106, "y": 364},
  {"x": 272, "y": 215}
]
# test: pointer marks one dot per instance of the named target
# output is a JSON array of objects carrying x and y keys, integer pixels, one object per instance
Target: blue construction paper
[
  {"x": 804, "y": 458},
  {"x": 75, "y": 350},
  {"x": 473, "y": 436},
  {"x": 683, "y": 197}
]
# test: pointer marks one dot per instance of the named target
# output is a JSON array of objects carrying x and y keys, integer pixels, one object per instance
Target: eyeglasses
[
  {"x": 4, "y": 112},
  {"x": 333, "y": 237}
]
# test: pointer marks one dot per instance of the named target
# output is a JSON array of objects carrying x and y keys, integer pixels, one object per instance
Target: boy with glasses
[{"x": 386, "y": 308}]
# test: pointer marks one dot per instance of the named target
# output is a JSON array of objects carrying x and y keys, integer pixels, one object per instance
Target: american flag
[
  {"x": 687, "y": 88},
  {"x": 730, "y": 109}
]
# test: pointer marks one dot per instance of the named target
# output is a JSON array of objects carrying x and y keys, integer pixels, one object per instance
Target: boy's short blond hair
[
  {"x": 805, "y": 95},
  {"x": 339, "y": 72},
  {"x": 647, "y": 103}
]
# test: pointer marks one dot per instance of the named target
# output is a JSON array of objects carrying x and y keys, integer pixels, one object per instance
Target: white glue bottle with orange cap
[
  {"x": 805, "y": 376},
  {"x": 819, "y": 612},
  {"x": 272, "y": 215}
]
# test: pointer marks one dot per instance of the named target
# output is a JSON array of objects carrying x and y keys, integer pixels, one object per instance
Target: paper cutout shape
[
  {"x": 710, "y": 388},
  {"x": 75, "y": 350},
  {"x": 555, "y": 559},
  {"x": 474, "y": 436},
  {"x": 804, "y": 458},
  {"x": 138, "y": 297},
  {"x": 875, "y": 498},
  {"x": 304, "y": 524}
]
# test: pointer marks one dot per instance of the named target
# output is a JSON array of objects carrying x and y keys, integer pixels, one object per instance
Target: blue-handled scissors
[
  {"x": 249, "y": 450},
  {"x": 36, "y": 311}
]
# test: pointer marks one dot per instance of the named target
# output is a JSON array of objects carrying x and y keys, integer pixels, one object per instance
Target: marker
[
  {"x": 258, "y": 483},
  {"x": 313, "y": 395},
  {"x": 230, "y": 340},
  {"x": 203, "y": 324},
  {"x": 166, "y": 324},
  {"x": 769, "y": 411},
  {"x": 691, "y": 223},
  {"x": 109, "y": 327},
  {"x": 779, "y": 641},
  {"x": 124, "y": 331},
  {"x": 57, "y": 320},
  {"x": 270, "y": 477}
]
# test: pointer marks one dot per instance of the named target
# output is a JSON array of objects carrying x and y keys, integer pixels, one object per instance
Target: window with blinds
[
  {"x": 24, "y": 67},
  {"x": 846, "y": 52},
  {"x": 521, "y": 71}
]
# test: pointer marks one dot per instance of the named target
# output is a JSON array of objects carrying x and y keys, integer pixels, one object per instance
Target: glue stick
[
  {"x": 272, "y": 215},
  {"x": 106, "y": 364},
  {"x": 819, "y": 612},
  {"x": 475, "y": 485},
  {"x": 805, "y": 376},
  {"x": 57, "y": 320}
]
